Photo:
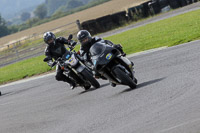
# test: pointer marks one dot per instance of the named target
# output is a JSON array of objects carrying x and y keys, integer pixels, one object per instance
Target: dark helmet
[
  {"x": 49, "y": 38},
  {"x": 84, "y": 37}
]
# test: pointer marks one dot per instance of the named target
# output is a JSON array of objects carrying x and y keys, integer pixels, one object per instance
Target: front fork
[{"x": 129, "y": 64}]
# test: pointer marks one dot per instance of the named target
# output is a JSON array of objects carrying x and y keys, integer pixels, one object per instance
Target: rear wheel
[
  {"x": 125, "y": 79},
  {"x": 89, "y": 76}
]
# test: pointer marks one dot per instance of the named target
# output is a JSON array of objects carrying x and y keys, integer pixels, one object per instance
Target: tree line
[{"x": 48, "y": 11}]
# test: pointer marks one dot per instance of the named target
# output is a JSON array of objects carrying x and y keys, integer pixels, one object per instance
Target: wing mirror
[{"x": 70, "y": 37}]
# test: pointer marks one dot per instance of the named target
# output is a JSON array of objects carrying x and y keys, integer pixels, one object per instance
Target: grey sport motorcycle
[{"x": 108, "y": 62}]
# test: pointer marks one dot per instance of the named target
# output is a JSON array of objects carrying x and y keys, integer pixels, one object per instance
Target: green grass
[
  {"x": 173, "y": 31},
  {"x": 169, "y": 32},
  {"x": 23, "y": 69}
]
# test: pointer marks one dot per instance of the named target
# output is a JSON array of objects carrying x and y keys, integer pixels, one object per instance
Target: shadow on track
[
  {"x": 92, "y": 89},
  {"x": 4, "y": 94},
  {"x": 143, "y": 84},
  {"x": 19, "y": 91}
]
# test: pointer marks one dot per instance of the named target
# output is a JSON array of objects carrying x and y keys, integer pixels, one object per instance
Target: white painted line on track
[
  {"x": 6, "y": 103},
  {"x": 180, "y": 125}
]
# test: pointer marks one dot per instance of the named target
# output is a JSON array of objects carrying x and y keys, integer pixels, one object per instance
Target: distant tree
[
  {"x": 3, "y": 28},
  {"x": 74, "y": 3},
  {"x": 53, "y": 5},
  {"x": 25, "y": 16},
  {"x": 41, "y": 11},
  {"x": 32, "y": 21}
]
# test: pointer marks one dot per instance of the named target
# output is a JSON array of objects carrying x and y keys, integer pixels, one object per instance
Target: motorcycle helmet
[
  {"x": 49, "y": 38},
  {"x": 84, "y": 37}
]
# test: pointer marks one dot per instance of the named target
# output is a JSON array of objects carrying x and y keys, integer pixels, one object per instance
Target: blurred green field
[{"x": 169, "y": 32}]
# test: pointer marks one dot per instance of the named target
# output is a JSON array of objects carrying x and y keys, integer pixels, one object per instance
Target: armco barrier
[
  {"x": 140, "y": 11},
  {"x": 163, "y": 3},
  {"x": 189, "y": 1},
  {"x": 154, "y": 7},
  {"x": 151, "y": 7},
  {"x": 119, "y": 18},
  {"x": 132, "y": 14},
  {"x": 136, "y": 13},
  {"x": 146, "y": 9},
  {"x": 91, "y": 26},
  {"x": 174, "y": 4},
  {"x": 105, "y": 23},
  {"x": 182, "y": 2}
]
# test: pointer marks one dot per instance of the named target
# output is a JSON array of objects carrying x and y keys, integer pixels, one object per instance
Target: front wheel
[
  {"x": 125, "y": 79},
  {"x": 88, "y": 75},
  {"x": 87, "y": 87}
]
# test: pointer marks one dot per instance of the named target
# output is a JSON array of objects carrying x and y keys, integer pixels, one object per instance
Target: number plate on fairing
[
  {"x": 109, "y": 56},
  {"x": 72, "y": 61}
]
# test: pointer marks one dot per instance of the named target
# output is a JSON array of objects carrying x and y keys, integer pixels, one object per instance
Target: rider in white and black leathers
[
  {"x": 55, "y": 49},
  {"x": 87, "y": 41}
]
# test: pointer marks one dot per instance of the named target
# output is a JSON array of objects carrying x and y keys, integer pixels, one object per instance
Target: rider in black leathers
[
  {"x": 55, "y": 49},
  {"x": 87, "y": 41}
]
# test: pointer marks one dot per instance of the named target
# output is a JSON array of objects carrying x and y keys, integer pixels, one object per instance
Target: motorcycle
[
  {"x": 73, "y": 67},
  {"x": 108, "y": 62}
]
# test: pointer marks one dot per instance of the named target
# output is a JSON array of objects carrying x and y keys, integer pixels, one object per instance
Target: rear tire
[
  {"x": 120, "y": 74},
  {"x": 89, "y": 76}
]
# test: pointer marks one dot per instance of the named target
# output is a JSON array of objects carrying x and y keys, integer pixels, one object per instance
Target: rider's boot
[
  {"x": 112, "y": 84},
  {"x": 72, "y": 85},
  {"x": 70, "y": 81}
]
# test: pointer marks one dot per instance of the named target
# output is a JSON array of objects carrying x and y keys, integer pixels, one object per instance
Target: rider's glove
[
  {"x": 51, "y": 63},
  {"x": 119, "y": 46},
  {"x": 72, "y": 43}
]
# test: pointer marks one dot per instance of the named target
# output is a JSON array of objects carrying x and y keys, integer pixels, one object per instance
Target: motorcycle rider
[
  {"x": 87, "y": 41},
  {"x": 55, "y": 49}
]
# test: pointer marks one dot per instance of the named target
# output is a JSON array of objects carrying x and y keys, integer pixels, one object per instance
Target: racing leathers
[{"x": 55, "y": 51}]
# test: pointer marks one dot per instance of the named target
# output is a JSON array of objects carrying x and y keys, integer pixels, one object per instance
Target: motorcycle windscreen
[
  {"x": 99, "y": 57},
  {"x": 97, "y": 49}
]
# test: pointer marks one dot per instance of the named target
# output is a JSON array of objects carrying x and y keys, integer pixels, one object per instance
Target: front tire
[
  {"x": 125, "y": 79},
  {"x": 87, "y": 87},
  {"x": 88, "y": 75}
]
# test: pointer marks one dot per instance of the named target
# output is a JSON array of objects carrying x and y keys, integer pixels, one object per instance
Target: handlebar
[
  {"x": 72, "y": 44},
  {"x": 56, "y": 62}
]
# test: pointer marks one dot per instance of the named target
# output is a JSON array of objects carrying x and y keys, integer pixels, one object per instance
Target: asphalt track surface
[{"x": 166, "y": 100}]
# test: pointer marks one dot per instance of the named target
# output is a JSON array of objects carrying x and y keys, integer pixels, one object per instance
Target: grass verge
[{"x": 169, "y": 32}]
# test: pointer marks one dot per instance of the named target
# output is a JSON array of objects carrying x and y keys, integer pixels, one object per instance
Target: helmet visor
[
  {"x": 51, "y": 40},
  {"x": 84, "y": 40}
]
